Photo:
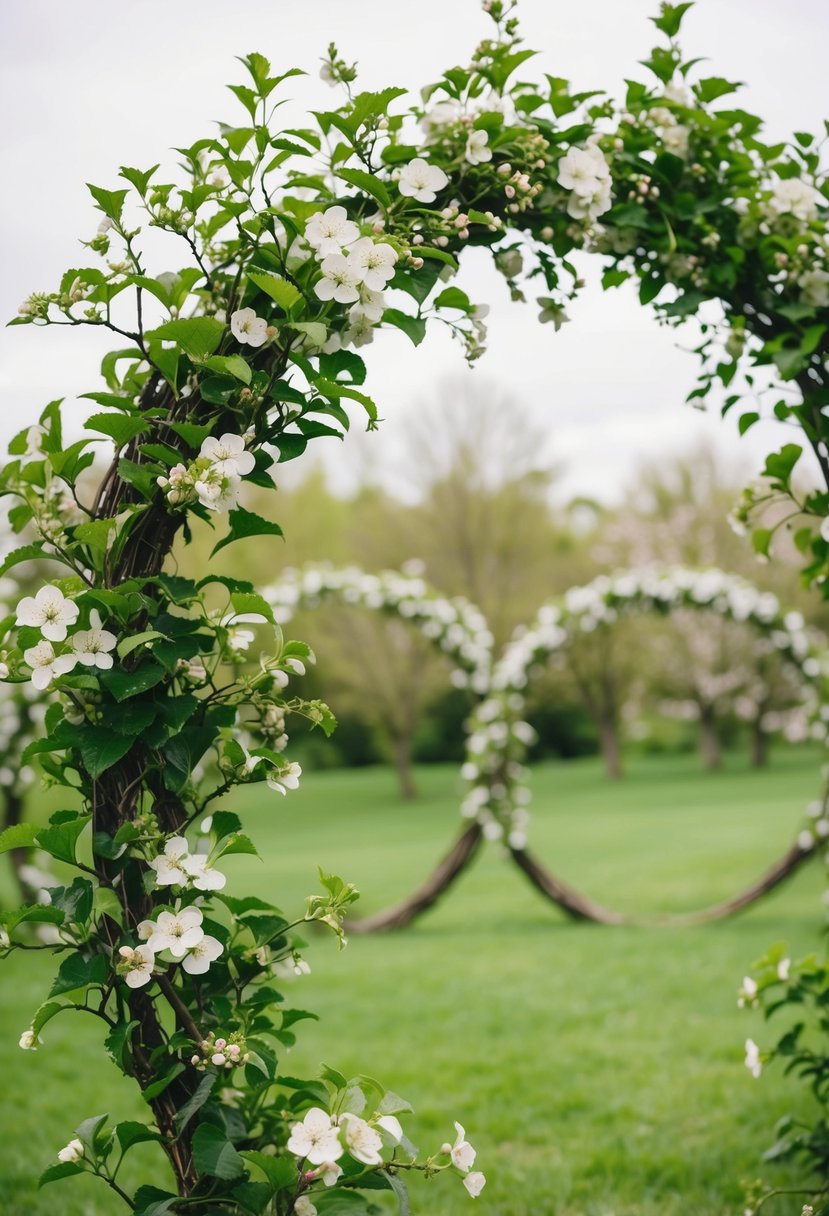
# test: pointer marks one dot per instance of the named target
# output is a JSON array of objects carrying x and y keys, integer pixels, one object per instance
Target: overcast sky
[{"x": 88, "y": 85}]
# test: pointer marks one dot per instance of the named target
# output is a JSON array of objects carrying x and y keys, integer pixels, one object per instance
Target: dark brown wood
[
  {"x": 575, "y": 905},
  {"x": 397, "y": 917}
]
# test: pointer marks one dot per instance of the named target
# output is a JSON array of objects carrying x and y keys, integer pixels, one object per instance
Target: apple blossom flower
[
  {"x": 747, "y": 992},
  {"x": 752, "y": 1061},
  {"x": 462, "y": 1153},
  {"x": 814, "y": 288},
  {"x": 361, "y": 1140},
  {"x": 330, "y": 1172},
  {"x": 477, "y": 150},
  {"x": 46, "y": 665},
  {"x": 783, "y": 968},
  {"x": 474, "y": 1183},
  {"x": 92, "y": 645},
  {"x": 391, "y": 1126},
  {"x": 371, "y": 305},
  {"x": 136, "y": 965},
  {"x": 247, "y": 328},
  {"x": 316, "y": 1138},
  {"x": 442, "y": 114},
  {"x": 421, "y": 181},
  {"x": 72, "y": 1153},
  {"x": 579, "y": 170},
  {"x": 177, "y": 932},
  {"x": 791, "y": 196},
  {"x": 168, "y": 866},
  {"x": 330, "y": 231},
  {"x": 205, "y": 951},
  {"x": 285, "y": 779},
  {"x": 228, "y": 454},
  {"x": 29, "y": 1041},
  {"x": 218, "y": 491},
  {"x": 49, "y": 611},
  {"x": 304, "y": 1207},
  {"x": 341, "y": 277},
  {"x": 203, "y": 877},
  {"x": 551, "y": 312},
  {"x": 377, "y": 261}
]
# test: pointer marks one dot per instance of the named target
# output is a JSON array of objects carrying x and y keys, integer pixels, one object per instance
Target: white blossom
[
  {"x": 169, "y": 865},
  {"x": 316, "y": 1138},
  {"x": 136, "y": 965},
  {"x": 330, "y": 1172},
  {"x": 29, "y": 1041},
  {"x": 92, "y": 646},
  {"x": 747, "y": 993},
  {"x": 361, "y": 1140},
  {"x": 304, "y": 1207},
  {"x": 285, "y": 779},
  {"x": 376, "y": 260},
  {"x": 49, "y": 611},
  {"x": 228, "y": 454},
  {"x": 791, "y": 196},
  {"x": 752, "y": 1061},
  {"x": 462, "y": 1153},
  {"x": 199, "y": 957},
  {"x": 247, "y": 328},
  {"x": 204, "y": 877},
  {"x": 177, "y": 932},
  {"x": 421, "y": 181},
  {"x": 477, "y": 150},
  {"x": 330, "y": 231},
  {"x": 442, "y": 114},
  {"x": 814, "y": 288},
  {"x": 391, "y": 1126},
  {"x": 218, "y": 491},
  {"x": 474, "y": 1183},
  {"x": 341, "y": 278},
  {"x": 73, "y": 1152},
  {"x": 551, "y": 312},
  {"x": 783, "y": 968},
  {"x": 46, "y": 665}
]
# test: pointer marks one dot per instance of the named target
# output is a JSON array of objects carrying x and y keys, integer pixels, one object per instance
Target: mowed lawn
[{"x": 597, "y": 1070}]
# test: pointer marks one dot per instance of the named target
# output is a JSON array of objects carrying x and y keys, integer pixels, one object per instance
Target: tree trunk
[
  {"x": 609, "y": 740},
  {"x": 402, "y": 755},
  {"x": 759, "y": 745},
  {"x": 709, "y": 743}
]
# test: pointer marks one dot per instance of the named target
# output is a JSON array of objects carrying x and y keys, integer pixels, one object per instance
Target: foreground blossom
[
  {"x": 422, "y": 181},
  {"x": 177, "y": 932},
  {"x": 136, "y": 965},
  {"x": 361, "y": 1140},
  {"x": 202, "y": 875},
  {"x": 206, "y": 950},
  {"x": 477, "y": 151},
  {"x": 316, "y": 1138},
  {"x": 49, "y": 611},
  {"x": 73, "y": 1151},
  {"x": 46, "y": 665},
  {"x": 330, "y": 231},
  {"x": 474, "y": 1183},
  {"x": 462, "y": 1153},
  {"x": 228, "y": 454},
  {"x": 377, "y": 261},
  {"x": 92, "y": 646},
  {"x": 247, "y": 328},
  {"x": 168, "y": 865}
]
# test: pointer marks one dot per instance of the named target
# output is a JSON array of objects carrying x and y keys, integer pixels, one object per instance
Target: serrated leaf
[
  {"x": 19, "y": 836},
  {"x": 56, "y": 1173},
  {"x": 78, "y": 972},
  {"x": 246, "y": 523},
  {"x": 279, "y": 289},
  {"x": 214, "y": 1154},
  {"x": 119, "y": 427},
  {"x": 59, "y": 840},
  {"x": 199, "y": 337}
]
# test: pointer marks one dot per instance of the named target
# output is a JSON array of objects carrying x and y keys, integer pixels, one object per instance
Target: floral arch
[{"x": 497, "y": 784}]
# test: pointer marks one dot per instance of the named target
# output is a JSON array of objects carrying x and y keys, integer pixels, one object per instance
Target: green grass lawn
[{"x": 598, "y": 1071}]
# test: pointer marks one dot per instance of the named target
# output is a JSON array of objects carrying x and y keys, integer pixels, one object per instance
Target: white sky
[{"x": 89, "y": 85}]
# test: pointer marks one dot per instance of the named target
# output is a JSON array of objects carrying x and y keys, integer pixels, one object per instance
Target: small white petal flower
[
  {"x": 228, "y": 454},
  {"x": 752, "y": 1061},
  {"x": 73, "y": 1151},
  {"x": 49, "y": 611},
  {"x": 136, "y": 965},
  {"x": 330, "y": 1172},
  {"x": 391, "y": 1126},
  {"x": 377, "y": 261},
  {"x": 218, "y": 491},
  {"x": 92, "y": 646},
  {"x": 477, "y": 150},
  {"x": 316, "y": 1138},
  {"x": 247, "y": 328},
  {"x": 422, "y": 181},
  {"x": 462, "y": 1153},
  {"x": 304, "y": 1207},
  {"x": 783, "y": 968},
  {"x": 203, "y": 876},
  {"x": 475, "y": 1183},
  {"x": 168, "y": 866},
  {"x": 206, "y": 950},
  {"x": 29, "y": 1041},
  {"x": 285, "y": 779},
  {"x": 177, "y": 932},
  {"x": 341, "y": 278},
  {"x": 46, "y": 665},
  {"x": 361, "y": 1140},
  {"x": 330, "y": 231}
]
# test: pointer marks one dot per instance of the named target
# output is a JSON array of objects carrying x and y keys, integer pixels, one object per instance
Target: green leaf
[
  {"x": 124, "y": 684},
  {"x": 59, "y": 841},
  {"x": 279, "y": 289},
  {"x": 111, "y": 202},
  {"x": 413, "y": 327},
  {"x": 746, "y": 421},
  {"x": 19, "y": 836},
  {"x": 715, "y": 86},
  {"x": 26, "y": 553},
  {"x": 453, "y": 297},
  {"x": 196, "y": 1101},
  {"x": 199, "y": 337},
  {"x": 368, "y": 183},
  {"x": 214, "y": 1154},
  {"x": 127, "y": 645},
  {"x": 100, "y": 748},
  {"x": 670, "y": 17},
  {"x": 64, "y": 1169},
  {"x": 230, "y": 365},
  {"x": 150, "y": 1201},
  {"x": 119, "y": 427},
  {"x": 246, "y": 523},
  {"x": 132, "y": 1132},
  {"x": 78, "y": 972},
  {"x": 279, "y": 1171}
]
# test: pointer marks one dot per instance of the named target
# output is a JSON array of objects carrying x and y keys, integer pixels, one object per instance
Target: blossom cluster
[
  {"x": 178, "y": 933},
  {"x": 53, "y": 613},
  {"x": 221, "y": 1052},
  {"x": 214, "y": 478},
  {"x": 177, "y": 866},
  {"x": 585, "y": 172}
]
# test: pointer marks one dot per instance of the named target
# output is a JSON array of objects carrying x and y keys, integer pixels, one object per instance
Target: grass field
[{"x": 598, "y": 1071}]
